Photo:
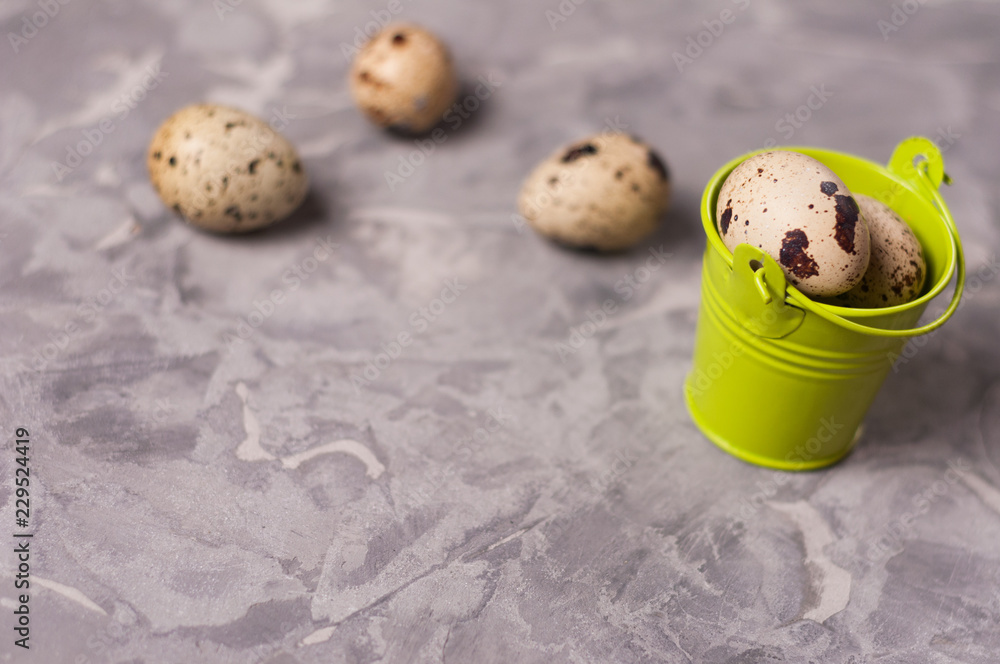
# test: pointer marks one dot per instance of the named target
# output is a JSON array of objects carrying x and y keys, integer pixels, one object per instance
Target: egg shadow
[
  {"x": 458, "y": 119},
  {"x": 312, "y": 213},
  {"x": 467, "y": 94},
  {"x": 679, "y": 231}
]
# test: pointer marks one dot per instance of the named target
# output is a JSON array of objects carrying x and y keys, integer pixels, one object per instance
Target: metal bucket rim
[{"x": 832, "y": 312}]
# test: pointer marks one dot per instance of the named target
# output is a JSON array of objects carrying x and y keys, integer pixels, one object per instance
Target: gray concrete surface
[{"x": 200, "y": 499}]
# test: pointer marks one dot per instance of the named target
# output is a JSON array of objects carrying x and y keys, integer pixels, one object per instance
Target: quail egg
[
  {"x": 605, "y": 192},
  {"x": 403, "y": 78},
  {"x": 800, "y": 213},
  {"x": 896, "y": 270},
  {"x": 225, "y": 170}
]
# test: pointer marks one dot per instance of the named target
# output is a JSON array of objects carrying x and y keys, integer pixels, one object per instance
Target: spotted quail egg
[
  {"x": 604, "y": 192},
  {"x": 896, "y": 270},
  {"x": 225, "y": 170},
  {"x": 799, "y": 212},
  {"x": 403, "y": 78}
]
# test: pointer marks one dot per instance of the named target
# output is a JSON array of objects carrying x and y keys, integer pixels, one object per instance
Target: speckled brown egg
[
  {"x": 605, "y": 192},
  {"x": 403, "y": 78},
  {"x": 800, "y": 213},
  {"x": 225, "y": 170},
  {"x": 896, "y": 270}
]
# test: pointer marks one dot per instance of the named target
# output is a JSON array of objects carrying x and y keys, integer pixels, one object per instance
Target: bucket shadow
[
  {"x": 933, "y": 397},
  {"x": 987, "y": 425}
]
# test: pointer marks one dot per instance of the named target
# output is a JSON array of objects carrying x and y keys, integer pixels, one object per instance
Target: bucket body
[{"x": 785, "y": 382}]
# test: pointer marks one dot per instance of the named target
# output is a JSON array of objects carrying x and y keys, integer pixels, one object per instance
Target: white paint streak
[
  {"x": 667, "y": 298},
  {"x": 120, "y": 235},
  {"x": 98, "y": 106},
  {"x": 106, "y": 175},
  {"x": 986, "y": 492},
  {"x": 46, "y": 190},
  {"x": 319, "y": 636},
  {"x": 835, "y": 583},
  {"x": 322, "y": 145},
  {"x": 258, "y": 82},
  {"x": 402, "y": 216},
  {"x": 608, "y": 50},
  {"x": 509, "y": 538},
  {"x": 310, "y": 103},
  {"x": 250, "y": 449},
  {"x": 68, "y": 592},
  {"x": 373, "y": 467},
  {"x": 290, "y": 15}
]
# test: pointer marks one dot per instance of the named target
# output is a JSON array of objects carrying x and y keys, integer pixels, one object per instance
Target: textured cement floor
[{"x": 209, "y": 485}]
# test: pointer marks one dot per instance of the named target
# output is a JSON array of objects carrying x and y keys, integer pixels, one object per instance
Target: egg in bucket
[{"x": 783, "y": 381}]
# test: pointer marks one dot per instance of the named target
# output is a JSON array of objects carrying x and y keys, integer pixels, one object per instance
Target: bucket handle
[{"x": 918, "y": 160}]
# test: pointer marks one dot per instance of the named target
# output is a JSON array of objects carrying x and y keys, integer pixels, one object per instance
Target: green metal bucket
[{"x": 782, "y": 381}]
